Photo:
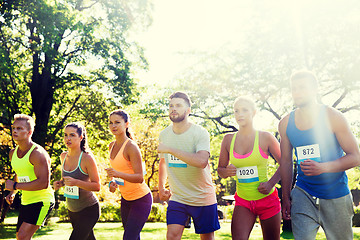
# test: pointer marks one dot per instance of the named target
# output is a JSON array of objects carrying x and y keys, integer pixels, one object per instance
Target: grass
[{"x": 104, "y": 231}]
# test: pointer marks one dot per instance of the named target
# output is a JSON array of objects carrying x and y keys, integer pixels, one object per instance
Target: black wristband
[{"x": 14, "y": 186}]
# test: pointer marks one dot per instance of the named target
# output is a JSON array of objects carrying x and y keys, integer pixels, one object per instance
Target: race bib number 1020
[
  {"x": 311, "y": 152},
  {"x": 247, "y": 174}
]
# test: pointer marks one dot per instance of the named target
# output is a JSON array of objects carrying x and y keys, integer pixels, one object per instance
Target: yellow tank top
[
  {"x": 129, "y": 191},
  {"x": 25, "y": 173},
  {"x": 251, "y": 170}
]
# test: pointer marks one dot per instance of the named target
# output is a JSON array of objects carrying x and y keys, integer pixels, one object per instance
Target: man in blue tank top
[{"x": 319, "y": 136}]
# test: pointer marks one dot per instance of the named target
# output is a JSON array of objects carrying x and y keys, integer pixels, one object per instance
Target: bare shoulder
[
  {"x": 336, "y": 119},
  {"x": 88, "y": 157},
  {"x": 266, "y": 136},
  {"x": 132, "y": 145},
  {"x": 39, "y": 155},
  {"x": 228, "y": 137},
  {"x": 283, "y": 123},
  {"x": 11, "y": 153},
  {"x": 111, "y": 145}
]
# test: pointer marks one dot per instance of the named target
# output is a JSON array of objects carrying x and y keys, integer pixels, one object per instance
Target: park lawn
[{"x": 105, "y": 231}]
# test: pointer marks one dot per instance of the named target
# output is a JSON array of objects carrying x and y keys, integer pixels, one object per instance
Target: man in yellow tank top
[{"x": 31, "y": 164}]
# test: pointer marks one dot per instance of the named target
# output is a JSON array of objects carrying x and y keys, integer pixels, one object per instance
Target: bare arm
[
  {"x": 274, "y": 149},
  {"x": 199, "y": 159},
  {"x": 224, "y": 170},
  {"x": 163, "y": 192},
  {"x": 347, "y": 142},
  {"x": 286, "y": 167}
]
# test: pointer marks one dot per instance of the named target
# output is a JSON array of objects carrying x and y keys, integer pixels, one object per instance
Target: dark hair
[
  {"x": 81, "y": 131},
  {"x": 181, "y": 95},
  {"x": 126, "y": 118},
  {"x": 304, "y": 74}
]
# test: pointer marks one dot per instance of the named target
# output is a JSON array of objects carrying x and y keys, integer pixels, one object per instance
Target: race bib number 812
[{"x": 308, "y": 152}]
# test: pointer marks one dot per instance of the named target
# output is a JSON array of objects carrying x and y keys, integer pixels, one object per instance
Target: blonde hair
[
  {"x": 28, "y": 119},
  {"x": 247, "y": 100}
]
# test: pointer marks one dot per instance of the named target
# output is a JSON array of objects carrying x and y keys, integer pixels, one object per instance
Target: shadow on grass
[
  {"x": 356, "y": 235},
  {"x": 287, "y": 235},
  {"x": 8, "y": 231}
]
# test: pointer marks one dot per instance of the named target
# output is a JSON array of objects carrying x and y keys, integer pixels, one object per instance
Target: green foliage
[
  {"x": 227, "y": 211},
  {"x": 356, "y": 218},
  {"x": 158, "y": 213},
  {"x": 110, "y": 212}
]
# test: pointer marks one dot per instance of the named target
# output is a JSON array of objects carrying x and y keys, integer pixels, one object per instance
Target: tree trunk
[{"x": 42, "y": 93}]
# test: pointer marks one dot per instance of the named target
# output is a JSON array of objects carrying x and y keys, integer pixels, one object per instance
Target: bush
[
  {"x": 110, "y": 212},
  {"x": 227, "y": 211},
  {"x": 158, "y": 213},
  {"x": 62, "y": 212},
  {"x": 356, "y": 218}
]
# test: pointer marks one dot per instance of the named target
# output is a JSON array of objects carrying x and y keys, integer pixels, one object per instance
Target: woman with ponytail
[
  {"x": 80, "y": 178},
  {"x": 127, "y": 173}
]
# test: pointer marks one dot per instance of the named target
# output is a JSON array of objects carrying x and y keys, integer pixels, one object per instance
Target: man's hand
[
  {"x": 164, "y": 194},
  {"x": 311, "y": 168},
  {"x": 265, "y": 188},
  {"x": 10, "y": 198},
  {"x": 285, "y": 209},
  {"x": 57, "y": 184},
  {"x": 9, "y": 185}
]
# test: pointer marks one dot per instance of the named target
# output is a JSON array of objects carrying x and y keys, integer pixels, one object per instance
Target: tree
[{"x": 47, "y": 47}]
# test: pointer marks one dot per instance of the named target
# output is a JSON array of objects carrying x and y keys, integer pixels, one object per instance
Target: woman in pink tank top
[
  {"x": 244, "y": 154},
  {"x": 127, "y": 173}
]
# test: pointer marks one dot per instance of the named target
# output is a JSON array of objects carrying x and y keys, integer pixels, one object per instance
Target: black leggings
[{"x": 83, "y": 223}]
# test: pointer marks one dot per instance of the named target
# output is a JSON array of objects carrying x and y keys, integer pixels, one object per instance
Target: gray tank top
[{"x": 76, "y": 198}]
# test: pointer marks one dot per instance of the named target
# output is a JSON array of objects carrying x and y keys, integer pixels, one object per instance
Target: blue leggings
[{"x": 134, "y": 214}]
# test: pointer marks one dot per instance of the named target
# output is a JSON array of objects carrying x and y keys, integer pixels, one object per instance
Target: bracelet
[{"x": 14, "y": 185}]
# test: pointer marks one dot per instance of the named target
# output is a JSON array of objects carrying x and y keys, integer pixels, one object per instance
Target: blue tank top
[
  {"x": 83, "y": 198},
  {"x": 319, "y": 144}
]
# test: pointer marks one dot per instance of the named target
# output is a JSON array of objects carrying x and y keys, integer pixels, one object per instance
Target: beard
[{"x": 178, "y": 118}]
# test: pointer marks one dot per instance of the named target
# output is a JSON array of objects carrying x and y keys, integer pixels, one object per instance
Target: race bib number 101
[{"x": 311, "y": 152}]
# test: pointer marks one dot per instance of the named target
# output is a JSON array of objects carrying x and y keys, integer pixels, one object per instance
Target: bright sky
[{"x": 182, "y": 26}]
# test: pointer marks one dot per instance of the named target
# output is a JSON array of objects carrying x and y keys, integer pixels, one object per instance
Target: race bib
[
  {"x": 71, "y": 192},
  {"x": 119, "y": 181},
  {"x": 247, "y": 174},
  {"x": 308, "y": 152},
  {"x": 175, "y": 162},
  {"x": 23, "y": 179}
]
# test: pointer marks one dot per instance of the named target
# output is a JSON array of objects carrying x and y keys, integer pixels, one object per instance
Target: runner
[
  {"x": 247, "y": 151},
  {"x": 128, "y": 175},
  {"x": 319, "y": 136},
  {"x": 184, "y": 151},
  {"x": 31, "y": 164},
  {"x": 80, "y": 177}
]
